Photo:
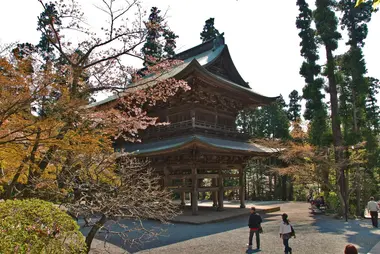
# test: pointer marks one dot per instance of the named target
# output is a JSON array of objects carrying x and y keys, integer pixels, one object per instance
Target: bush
[{"x": 36, "y": 226}]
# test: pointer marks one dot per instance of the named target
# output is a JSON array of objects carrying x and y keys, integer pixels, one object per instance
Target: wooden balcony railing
[{"x": 195, "y": 126}]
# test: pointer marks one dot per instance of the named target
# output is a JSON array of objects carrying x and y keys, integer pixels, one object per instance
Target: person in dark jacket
[{"x": 254, "y": 225}]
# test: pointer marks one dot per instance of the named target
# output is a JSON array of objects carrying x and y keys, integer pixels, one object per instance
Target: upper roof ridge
[{"x": 203, "y": 47}]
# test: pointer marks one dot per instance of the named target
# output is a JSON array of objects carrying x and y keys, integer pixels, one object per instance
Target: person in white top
[
  {"x": 373, "y": 209},
  {"x": 286, "y": 232}
]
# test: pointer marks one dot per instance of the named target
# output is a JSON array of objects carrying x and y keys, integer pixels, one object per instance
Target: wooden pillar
[
  {"x": 221, "y": 191},
  {"x": 214, "y": 193},
  {"x": 183, "y": 197},
  {"x": 166, "y": 177},
  {"x": 192, "y": 113},
  {"x": 194, "y": 194},
  {"x": 241, "y": 189},
  {"x": 200, "y": 195}
]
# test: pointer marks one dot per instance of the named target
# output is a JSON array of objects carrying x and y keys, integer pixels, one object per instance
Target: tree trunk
[
  {"x": 291, "y": 189},
  {"x": 283, "y": 187},
  {"x": 9, "y": 189},
  {"x": 358, "y": 192},
  {"x": 94, "y": 230},
  {"x": 325, "y": 188},
  {"x": 335, "y": 122},
  {"x": 343, "y": 202},
  {"x": 275, "y": 186}
]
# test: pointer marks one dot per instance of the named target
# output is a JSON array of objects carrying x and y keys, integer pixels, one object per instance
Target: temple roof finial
[{"x": 219, "y": 40}]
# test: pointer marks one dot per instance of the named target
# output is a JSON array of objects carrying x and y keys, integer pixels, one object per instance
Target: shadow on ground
[
  {"x": 357, "y": 232},
  {"x": 311, "y": 229},
  {"x": 175, "y": 233}
]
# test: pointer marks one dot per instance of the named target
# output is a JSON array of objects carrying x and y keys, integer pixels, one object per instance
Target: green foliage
[
  {"x": 209, "y": 31},
  {"x": 312, "y": 91},
  {"x": 154, "y": 48},
  {"x": 36, "y": 226},
  {"x": 294, "y": 111},
  {"x": 372, "y": 108},
  {"x": 327, "y": 24},
  {"x": 170, "y": 43},
  {"x": 266, "y": 122},
  {"x": 333, "y": 202}
]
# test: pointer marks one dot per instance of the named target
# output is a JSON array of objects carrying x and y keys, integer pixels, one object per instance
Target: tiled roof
[
  {"x": 178, "y": 142},
  {"x": 203, "y": 59}
]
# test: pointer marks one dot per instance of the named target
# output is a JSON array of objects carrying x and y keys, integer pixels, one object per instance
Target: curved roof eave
[
  {"x": 161, "y": 147},
  {"x": 231, "y": 64}
]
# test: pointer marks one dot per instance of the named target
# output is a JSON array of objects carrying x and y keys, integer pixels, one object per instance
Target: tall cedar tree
[
  {"x": 209, "y": 31},
  {"x": 160, "y": 41},
  {"x": 355, "y": 20},
  {"x": 327, "y": 26},
  {"x": 294, "y": 110},
  {"x": 152, "y": 47},
  {"x": 315, "y": 107},
  {"x": 294, "y": 115},
  {"x": 372, "y": 108},
  {"x": 372, "y": 123},
  {"x": 170, "y": 43}
]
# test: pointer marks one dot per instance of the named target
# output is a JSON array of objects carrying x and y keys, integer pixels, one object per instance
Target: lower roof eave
[{"x": 207, "y": 143}]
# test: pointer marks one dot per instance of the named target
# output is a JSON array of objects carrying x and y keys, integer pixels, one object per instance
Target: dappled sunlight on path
[{"x": 319, "y": 233}]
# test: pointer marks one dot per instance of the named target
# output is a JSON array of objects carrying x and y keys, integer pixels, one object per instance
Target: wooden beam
[
  {"x": 166, "y": 178},
  {"x": 231, "y": 187},
  {"x": 180, "y": 189},
  {"x": 187, "y": 176},
  {"x": 231, "y": 175},
  {"x": 204, "y": 166},
  {"x": 208, "y": 189},
  {"x": 207, "y": 176}
]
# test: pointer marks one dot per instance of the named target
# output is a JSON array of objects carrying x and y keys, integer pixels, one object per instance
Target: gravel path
[{"x": 315, "y": 234}]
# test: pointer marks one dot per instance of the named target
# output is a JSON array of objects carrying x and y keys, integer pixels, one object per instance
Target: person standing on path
[
  {"x": 286, "y": 233},
  {"x": 254, "y": 224},
  {"x": 373, "y": 209}
]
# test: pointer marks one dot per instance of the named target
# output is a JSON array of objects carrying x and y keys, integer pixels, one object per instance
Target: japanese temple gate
[{"x": 202, "y": 140}]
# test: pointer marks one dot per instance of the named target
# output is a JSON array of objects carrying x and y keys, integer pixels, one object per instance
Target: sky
[{"x": 261, "y": 35}]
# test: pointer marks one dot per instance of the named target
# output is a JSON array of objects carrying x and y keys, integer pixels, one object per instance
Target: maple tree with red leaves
[{"x": 48, "y": 131}]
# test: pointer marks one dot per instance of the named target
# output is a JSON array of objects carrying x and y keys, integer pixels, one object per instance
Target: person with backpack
[
  {"x": 286, "y": 232},
  {"x": 254, "y": 224}
]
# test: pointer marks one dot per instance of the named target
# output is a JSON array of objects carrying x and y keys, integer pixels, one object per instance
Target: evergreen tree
[
  {"x": 327, "y": 25},
  {"x": 372, "y": 108},
  {"x": 315, "y": 107},
  {"x": 269, "y": 121},
  {"x": 294, "y": 111},
  {"x": 209, "y": 31},
  {"x": 355, "y": 22},
  {"x": 170, "y": 43},
  {"x": 152, "y": 49},
  {"x": 160, "y": 41},
  {"x": 278, "y": 124},
  {"x": 345, "y": 98}
]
